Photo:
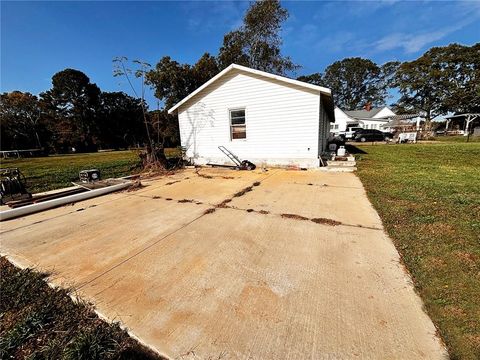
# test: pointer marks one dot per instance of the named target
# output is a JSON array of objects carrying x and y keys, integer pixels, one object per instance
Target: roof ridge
[{"x": 321, "y": 89}]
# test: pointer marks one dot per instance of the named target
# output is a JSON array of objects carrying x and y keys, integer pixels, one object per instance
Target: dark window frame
[{"x": 237, "y": 124}]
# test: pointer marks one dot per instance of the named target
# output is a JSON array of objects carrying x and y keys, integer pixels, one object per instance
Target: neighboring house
[
  {"x": 462, "y": 123},
  {"x": 370, "y": 118},
  {"x": 261, "y": 117}
]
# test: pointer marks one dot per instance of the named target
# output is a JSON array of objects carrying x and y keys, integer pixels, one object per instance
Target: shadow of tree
[{"x": 352, "y": 149}]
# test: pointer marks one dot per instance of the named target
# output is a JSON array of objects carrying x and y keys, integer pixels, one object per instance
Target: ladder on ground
[{"x": 230, "y": 155}]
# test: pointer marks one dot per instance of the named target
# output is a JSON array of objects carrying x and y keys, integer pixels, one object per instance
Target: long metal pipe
[{"x": 45, "y": 205}]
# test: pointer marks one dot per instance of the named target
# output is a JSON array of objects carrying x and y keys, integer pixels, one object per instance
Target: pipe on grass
[{"x": 45, "y": 205}]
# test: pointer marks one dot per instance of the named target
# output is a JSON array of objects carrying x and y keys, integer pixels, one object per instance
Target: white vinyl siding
[{"x": 282, "y": 121}]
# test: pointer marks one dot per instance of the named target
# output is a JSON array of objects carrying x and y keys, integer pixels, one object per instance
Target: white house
[
  {"x": 341, "y": 121},
  {"x": 261, "y": 117},
  {"x": 371, "y": 118}
]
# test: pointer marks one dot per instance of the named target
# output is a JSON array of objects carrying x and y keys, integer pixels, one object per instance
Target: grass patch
[
  {"x": 58, "y": 171},
  {"x": 428, "y": 196},
  {"x": 53, "y": 172},
  {"x": 38, "y": 322},
  {"x": 457, "y": 139}
]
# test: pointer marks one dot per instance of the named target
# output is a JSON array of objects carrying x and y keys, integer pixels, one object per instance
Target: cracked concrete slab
[
  {"x": 237, "y": 284},
  {"x": 313, "y": 196}
]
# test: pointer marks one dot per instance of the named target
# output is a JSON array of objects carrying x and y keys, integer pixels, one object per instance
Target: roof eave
[{"x": 320, "y": 89}]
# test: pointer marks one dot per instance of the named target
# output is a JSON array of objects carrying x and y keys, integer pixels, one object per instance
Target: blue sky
[{"x": 40, "y": 38}]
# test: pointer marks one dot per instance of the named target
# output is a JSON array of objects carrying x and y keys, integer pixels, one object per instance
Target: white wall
[
  {"x": 282, "y": 121},
  {"x": 340, "y": 121},
  {"x": 384, "y": 112}
]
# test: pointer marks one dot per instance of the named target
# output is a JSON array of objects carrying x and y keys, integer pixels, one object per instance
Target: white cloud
[
  {"x": 412, "y": 43},
  {"x": 225, "y": 13}
]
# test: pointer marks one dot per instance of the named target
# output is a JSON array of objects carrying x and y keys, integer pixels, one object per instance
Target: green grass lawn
[
  {"x": 52, "y": 172},
  {"x": 428, "y": 196},
  {"x": 457, "y": 138}
]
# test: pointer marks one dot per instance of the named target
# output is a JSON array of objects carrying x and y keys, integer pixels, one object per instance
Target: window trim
[{"x": 230, "y": 125}]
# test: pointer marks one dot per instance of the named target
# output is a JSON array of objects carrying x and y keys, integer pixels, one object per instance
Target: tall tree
[
  {"x": 120, "y": 121},
  {"x": 173, "y": 81},
  {"x": 444, "y": 79},
  {"x": 257, "y": 43},
  {"x": 355, "y": 82},
  {"x": 73, "y": 102},
  {"x": 154, "y": 155},
  {"x": 21, "y": 120},
  {"x": 315, "y": 79},
  {"x": 203, "y": 70}
]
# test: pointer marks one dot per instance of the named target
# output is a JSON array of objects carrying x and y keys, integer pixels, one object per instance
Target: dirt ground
[{"x": 223, "y": 264}]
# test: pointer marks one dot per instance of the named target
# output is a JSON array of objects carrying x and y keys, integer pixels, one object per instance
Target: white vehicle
[{"x": 349, "y": 133}]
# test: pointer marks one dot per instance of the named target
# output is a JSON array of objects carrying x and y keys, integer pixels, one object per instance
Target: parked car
[
  {"x": 364, "y": 135},
  {"x": 348, "y": 134},
  {"x": 388, "y": 135}
]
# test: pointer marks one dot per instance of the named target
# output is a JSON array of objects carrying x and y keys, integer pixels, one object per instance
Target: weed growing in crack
[
  {"x": 224, "y": 203},
  {"x": 243, "y": 192},
  {"x": 325, "y": 221},
  {"x": 294, "y": 216}
]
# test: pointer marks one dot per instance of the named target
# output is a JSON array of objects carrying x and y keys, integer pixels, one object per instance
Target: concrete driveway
[{"x": 254, "y": 277}]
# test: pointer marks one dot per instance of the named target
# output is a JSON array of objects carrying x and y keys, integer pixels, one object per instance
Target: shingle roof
[{"x": 363, "y": 114}]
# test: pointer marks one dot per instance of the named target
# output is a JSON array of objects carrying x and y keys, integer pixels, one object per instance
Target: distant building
[{"x": 382, "y": 118}]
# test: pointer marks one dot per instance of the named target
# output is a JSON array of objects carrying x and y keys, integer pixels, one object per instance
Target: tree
[
  {"x": 72, "y": 103},
  {"x": 21, "y": 120},
  {"x": 173, "y": 81},
  {"x": 315, "y": 79},
  {"x": 444, "y": 79},
  {"x": 165, "y": 128},
  {"x": 355, "y": 82},
  {"x": 120, "y": 121},
  {"x": 233, "y": 50},
  {"x": 257, "y": 42},
  {"x": 154, "y": 155},
  {"x": 204, "y": 69}
]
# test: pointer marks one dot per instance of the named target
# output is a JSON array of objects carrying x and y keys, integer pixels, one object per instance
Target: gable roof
[
  {"x": 363, "y": 114},
  {"x": 320, "y": 89}
]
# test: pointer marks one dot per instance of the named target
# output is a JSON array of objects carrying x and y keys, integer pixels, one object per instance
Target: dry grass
[
  {"x": 243, "y": 191},
  {"x": 294, "y": 216},
  {"x": 325, "y": 221},
  {"x": 209, "y": 211}
]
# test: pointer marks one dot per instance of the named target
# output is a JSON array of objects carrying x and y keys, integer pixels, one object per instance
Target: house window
[{"x": 238, "y": 129}]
